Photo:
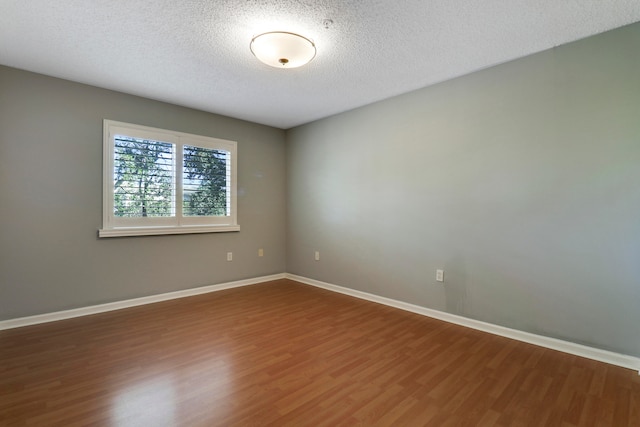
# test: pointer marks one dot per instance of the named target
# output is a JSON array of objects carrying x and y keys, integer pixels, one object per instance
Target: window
[{"x": 163, "y": 182}]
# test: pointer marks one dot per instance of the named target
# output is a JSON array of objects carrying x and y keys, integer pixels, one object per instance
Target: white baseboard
[
  {"x": 94, "y": 309},
  {"x": 605, "y": 356},
  {"x": 600, "y": 355}
]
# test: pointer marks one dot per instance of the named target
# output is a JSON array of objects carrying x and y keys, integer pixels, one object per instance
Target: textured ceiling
[{"x": 196, "y": 53}]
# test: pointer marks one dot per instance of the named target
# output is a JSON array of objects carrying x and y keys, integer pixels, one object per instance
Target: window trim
[{"x": 112, "y": 227}]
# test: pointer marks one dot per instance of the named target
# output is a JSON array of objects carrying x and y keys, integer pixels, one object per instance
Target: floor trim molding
[
  {"x": 102, "y": 308},
  {"x": 600, "y": 355}
]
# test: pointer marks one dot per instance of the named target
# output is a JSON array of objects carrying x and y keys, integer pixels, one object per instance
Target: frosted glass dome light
[{"x": 282, "y": 49}]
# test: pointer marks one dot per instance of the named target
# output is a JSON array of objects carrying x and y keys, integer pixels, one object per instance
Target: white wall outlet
[
  {"x": 317, "y": 256},
  {"x": 229, "y": 256},
  {"x": 260, "y": 252},
  {"x": 440, "y": 275}
]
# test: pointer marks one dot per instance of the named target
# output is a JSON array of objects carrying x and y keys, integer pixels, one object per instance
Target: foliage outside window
[{"x": 163, "y": 182}]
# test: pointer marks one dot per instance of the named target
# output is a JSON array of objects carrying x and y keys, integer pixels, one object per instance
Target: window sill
[{"x": 157, "y": 231}]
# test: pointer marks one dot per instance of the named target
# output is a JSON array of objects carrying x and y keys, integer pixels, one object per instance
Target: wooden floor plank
[{"x": 282, "y": 353}]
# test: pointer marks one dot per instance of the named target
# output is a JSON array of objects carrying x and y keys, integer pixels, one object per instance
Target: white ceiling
[{"x": 196, "y": 52}]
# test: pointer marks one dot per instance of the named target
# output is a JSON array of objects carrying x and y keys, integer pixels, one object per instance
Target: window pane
[
  {"x": 206, "y": 182},
  {"x": 143, "y": 178}
]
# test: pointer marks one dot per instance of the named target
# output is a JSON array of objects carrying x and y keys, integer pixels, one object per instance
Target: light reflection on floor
[
  {"x": 171, "y": 399},
  {"x": 148, "y": 403}
]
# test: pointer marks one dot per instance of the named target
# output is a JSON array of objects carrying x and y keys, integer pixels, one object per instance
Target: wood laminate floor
[{"x": 286, "y": 354}]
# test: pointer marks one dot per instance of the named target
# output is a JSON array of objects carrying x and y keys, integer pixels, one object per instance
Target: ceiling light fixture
[{"x": 281, "y": 49}]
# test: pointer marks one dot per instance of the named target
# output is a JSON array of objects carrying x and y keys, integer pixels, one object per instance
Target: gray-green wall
[
  {"x": 521, "y": 181},
  {"x": 51, "y": 201}
]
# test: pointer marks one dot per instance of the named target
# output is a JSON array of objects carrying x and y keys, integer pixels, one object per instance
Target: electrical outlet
[
  {"x": 260, "y": 252},
  {"x": 229, "y": 256},
  {"x": 440, "y": 275},
  {"x": 317, "y": 256}
]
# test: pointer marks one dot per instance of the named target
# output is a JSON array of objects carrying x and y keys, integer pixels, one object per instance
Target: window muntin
[{"x": 163, "y": 182}]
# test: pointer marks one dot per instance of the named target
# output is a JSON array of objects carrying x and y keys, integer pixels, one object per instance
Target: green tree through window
[
  {"x": 143, "y": 178},
  {"x": 205, "y": 182}
]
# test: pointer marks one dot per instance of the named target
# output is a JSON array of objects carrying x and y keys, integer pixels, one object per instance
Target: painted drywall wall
[
  {"x": 51, "y": 201},
  {"x": 521, "y": 182}
]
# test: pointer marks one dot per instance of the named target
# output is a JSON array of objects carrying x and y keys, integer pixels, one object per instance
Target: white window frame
[{"x": 113, "y": 226}]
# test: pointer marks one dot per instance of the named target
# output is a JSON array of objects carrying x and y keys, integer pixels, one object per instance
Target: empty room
[{"x": 319, "y": 213}]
